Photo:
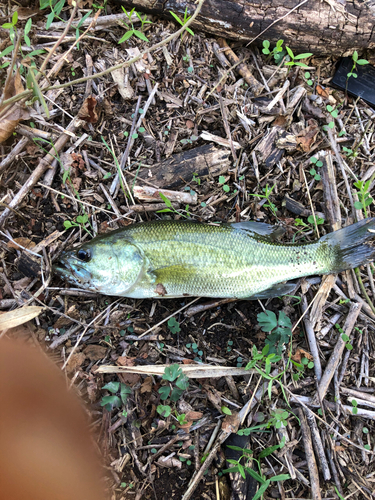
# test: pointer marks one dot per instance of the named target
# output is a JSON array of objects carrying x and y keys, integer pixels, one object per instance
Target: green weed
[
  {"x": 279, "y": 52},
  {"x": 267, "y": 193},
  {"x": 316, "y": 163},
  {"x": 360, "y": 62},
  {"x": 183, "y": 21},
  {"x": 119, "y": 396},
  {"x": 131, "y": 30},
  {"x": 178, "y": 383},
  {"x": 280, "y": 329},
  {"x": 364, "y": 198}
]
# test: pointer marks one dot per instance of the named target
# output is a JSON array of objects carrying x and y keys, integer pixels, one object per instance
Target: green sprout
[
  {"x": 308, "y": 78},
  {"x": 316, "y": 163},
  {"x": 131, "y": 30},
  {"x": 267, "y": 192},
  {"x": 278, "y": 52},
  {"x": 294, "y": 58},
  {"x": 360, "y": 62},
  {"x": 364, "y": 197},
  {"x": 183, "y": 22}
]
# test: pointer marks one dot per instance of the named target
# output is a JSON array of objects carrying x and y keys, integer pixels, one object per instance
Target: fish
[{"x": 174, "y": 258}]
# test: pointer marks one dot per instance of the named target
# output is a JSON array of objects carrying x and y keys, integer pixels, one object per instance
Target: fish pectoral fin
[
  {"x": 179, "y": 272},
  {"x": 274, "y": 291},
  {"x": 261, "y": 228}
]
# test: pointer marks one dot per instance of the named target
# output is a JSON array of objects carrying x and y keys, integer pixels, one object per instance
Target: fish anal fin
[{"x": 274, "y": 291}]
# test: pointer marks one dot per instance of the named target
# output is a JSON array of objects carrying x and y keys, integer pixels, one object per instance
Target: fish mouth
[{"x": 73, "y": 272}]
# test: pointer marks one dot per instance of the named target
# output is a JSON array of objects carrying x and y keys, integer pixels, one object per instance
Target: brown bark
[
  {"x": 176, "y": 171},
  {"x": 327, "y": 27}
]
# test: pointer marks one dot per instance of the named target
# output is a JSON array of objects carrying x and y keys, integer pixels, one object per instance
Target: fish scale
[{"x": 179, "y": 258}]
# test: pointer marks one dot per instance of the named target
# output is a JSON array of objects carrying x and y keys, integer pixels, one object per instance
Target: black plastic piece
[{"x": 363, "y": 85}]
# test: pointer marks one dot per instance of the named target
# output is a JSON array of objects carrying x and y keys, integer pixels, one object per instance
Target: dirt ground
[{"x": 278, "y": 144}]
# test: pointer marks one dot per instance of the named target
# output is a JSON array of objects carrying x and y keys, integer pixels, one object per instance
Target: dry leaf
[
  {"x": 307, "y": 137},
  {"x": 88, "y": 111},
  {"x": 231, "y": 423},
  {"x": 15, "y": 113},
  {"x": 324, "y": 92},
  {"x": 95, "y": 352},
  {"x": 194, "y": 415},
  {"x": 297, "y": 356},
  {"x": 75, "y": 362},
  {"x": 24, "y": 242},
  {"x": 20, "y": 316},
  {"x": 280, "y": 121},
  {"x": 189, "y": 124},
  {"x": 147, "y": 385},
  {"x": 63, "y": 321},
  {"x": 10, "y": 121},
  {"x": 92, "y": 389},
  {"x": 128, "y": 378},
  {"x": 21, "y": 284}
]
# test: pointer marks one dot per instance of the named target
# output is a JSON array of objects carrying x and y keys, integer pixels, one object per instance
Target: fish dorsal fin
[{"x": 261, "y": 228}]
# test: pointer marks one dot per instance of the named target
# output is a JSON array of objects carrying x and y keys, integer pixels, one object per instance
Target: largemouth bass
[{"x": 182, "y": 258}]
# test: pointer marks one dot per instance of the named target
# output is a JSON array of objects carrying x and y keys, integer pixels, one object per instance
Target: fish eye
[{"x": 84, "y": 255}]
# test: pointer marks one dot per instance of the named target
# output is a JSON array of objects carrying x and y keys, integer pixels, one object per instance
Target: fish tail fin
[{"x": 352, "y": 245}]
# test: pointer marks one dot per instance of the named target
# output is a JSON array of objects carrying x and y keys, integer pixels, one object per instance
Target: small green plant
[
  {"x": 354, "y": 405},
  {"x": 350, "y": 153},
  {"x": 196, "y": 179},
  {"x": 80, "y": 221},
  {"x": 230, "y": 343},
  {"x": 278, "y": 52},
  {"x": 344, "y": 337},
  {"x": 278, "y": 418},
  {"x": 360, "y": 62},
  {"x": 308, "y": 78},
  {"x": 170, "y": 208},
  {"x": 164, "y": 410},
  {"x": 294, "y": 58},
  {"x": 194, "y": 347},
  {"x": 189, "y": 140},
  {"x": 334, "y": 113},
  {"x": 173, "y": 373},
  {"x": 131, "y": 30},
  {"x": 343, "y": 301},
  {"x": 258, "y": 476},
  {"x": 124, "y": 485},
  {"x": 181, "y": 418},
  {"x": 306, "y": 362},
  {"x": 183, "y": 22},
  {"x": 267, "y": 193},
  {"x": 226, "y": 188},
  {"x": 173, "y": 325},
  {"x": 226, "y": 410},
  {"x": 315, "y": 220},
  {"x": 79, "y": 26},
  {"x": 56, "y": 8},
  {"x": 316, "y": 163},
  {"x": 120, "y": 394},
  {"x": 280, "y": 329},
  {"x": 364, "y": 198}
]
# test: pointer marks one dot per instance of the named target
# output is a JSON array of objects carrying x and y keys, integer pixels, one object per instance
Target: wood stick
[
  {"x": 318, "y": 445},
  {"x": 336, "y": 355},
  {"x": 43, "y": 165},
  {"x": 150, "y": 194},
  {"x": 312, "y": 341},
  {"x": 310, "y": 457}
]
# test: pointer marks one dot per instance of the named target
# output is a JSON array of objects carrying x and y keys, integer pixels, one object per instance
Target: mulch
[{"x": 271, "y": 149}]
